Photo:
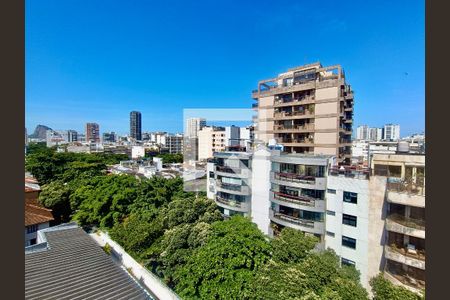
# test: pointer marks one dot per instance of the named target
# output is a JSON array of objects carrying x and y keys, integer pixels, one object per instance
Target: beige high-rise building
[
  {"x": 308, "y": 109},
  {"x": 210, "y": 140}
]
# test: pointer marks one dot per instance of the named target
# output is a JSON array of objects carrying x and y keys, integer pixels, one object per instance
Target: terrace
[{"x": 300, "y": 199}]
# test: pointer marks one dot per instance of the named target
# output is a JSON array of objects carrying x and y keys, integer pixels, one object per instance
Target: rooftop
[
  {"x": 69, "y": 264},
  {"x": 36, "y": 213}
]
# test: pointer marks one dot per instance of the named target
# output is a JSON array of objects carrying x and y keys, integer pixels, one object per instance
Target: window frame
[
  {"x": 347, "y": 240},
  {"x": 349, "y": 219}
]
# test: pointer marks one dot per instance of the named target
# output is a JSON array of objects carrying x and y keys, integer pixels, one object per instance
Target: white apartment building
[
  {"x": 391, "y": 132},
  {"x": 367, "y": 133},
  {"x": 373, "y": 221},
  {"x": 362, "y": 132}
]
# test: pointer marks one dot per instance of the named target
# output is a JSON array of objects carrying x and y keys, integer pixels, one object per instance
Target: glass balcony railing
[
  {"x": 302, "y": 200},
  {"x": 294, "y": 177}
]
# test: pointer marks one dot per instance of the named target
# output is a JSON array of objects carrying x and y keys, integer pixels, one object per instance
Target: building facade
[
  {"x": 109, "y": 137},
  {"x": 229, "y": 182},
  {"x": 92, "y": 133},
  {"x": 136, "y": 125},
  {"x": 210, "y": 140},
  {"x": 174, "y": 143},
  {"x": 193, "y": 126},
  {"x": 391, "y": 132},
  {"x": 308, "y": 109},
  {"x": 404, "y": 243}
]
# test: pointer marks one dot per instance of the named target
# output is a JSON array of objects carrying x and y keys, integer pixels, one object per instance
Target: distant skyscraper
[
  {"x": 362, "y": 132},
  {"x": 136, "y": 125},
  {"x": 92, "y": 133},
  {"x": 193, "y": 126},
  {"x": 391, "y": 132}
]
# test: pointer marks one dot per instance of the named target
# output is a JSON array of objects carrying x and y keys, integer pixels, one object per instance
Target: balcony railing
[
  {"x": 417, "y": 254},
  {"x": 406, "y": 279},
  {"x": 295, "y": 127},
  {"x": 229, "y": 202},
  {"x": 293, "y": 100},
  {"x": 302, "y": 200},
  {"x": 293, "y": 220},
  {"x": 226, "y": 169},
  {"x": 406, "y": 187},
  {"x": 407, "y": 222},
  {"x": 292, "y": 177},
  {"x": 298, "y": 141},
  {"x": 292, "y": 114},
  {"x": 349, "y": 172},
  {"x": 227, "y": 186}
]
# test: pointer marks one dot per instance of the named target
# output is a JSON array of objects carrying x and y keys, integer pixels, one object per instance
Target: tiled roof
[
  {"x": 73, "y": 266},
  {"x": 36, "y": 213}
]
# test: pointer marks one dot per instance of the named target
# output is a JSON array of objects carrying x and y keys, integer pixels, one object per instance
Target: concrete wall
[
  {"x": 325, "y": 123},
  {"x": 325, "y": 138},
  {"x": 326, "y": 108},
  {"x": 327, "y": 93},
  {"x": 325, "y": 150},
  {"x": 260, "y": 203},
  {"x": 335, "y": 224},
  {"x": 30, "y": 236},
  {"x": 151, "y": 281}
]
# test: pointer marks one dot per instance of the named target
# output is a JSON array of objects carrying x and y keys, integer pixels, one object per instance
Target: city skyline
[{"x": 81, "y": 66}]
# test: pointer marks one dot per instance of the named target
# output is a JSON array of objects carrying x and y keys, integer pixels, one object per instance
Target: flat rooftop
[{"x": 71, "y": 265}]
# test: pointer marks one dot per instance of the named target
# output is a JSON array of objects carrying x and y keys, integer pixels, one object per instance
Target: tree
[
  {"x": 55, "y": 195},
  {"x": 383, "y": 289},
  {"x": 292, "y": 245},
  {"x": 225, "y": 267}
]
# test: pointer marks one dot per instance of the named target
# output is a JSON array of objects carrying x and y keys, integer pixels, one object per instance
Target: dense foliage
[
  {"x": 383, "y": 289},
  {"x": 169, "y": 158},
  {"x": 183, "y": 239}
]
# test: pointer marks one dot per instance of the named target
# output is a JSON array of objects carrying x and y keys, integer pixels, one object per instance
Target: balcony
[
  {"x": 291, "y": 177},
  {"x": 233, "y": 189},
  {"x": 406, "y": 193},
  {"x": 231, "y": 204},
  {"x": 414, "y": 258},
  {"x": 348, "y": 109},
  {"x": 293, "y": 115},
  {"x": 300, "y": 200},
  {"x": 294, "y": 128},
  {"x": 297, "y": 142},
  {"x": 255, "y": 105},
  {"x": 408, "y": 226},
  {"x": 294, "y": 101},
  {"x": 225, "y": 169},
  {"x": 348, "y": 95},
  {"x": 403, "y": 279},
  {"x": 291, "y": 219},
  {"x": 279, "y": 89},
  {"x": 349, "y": 172}
]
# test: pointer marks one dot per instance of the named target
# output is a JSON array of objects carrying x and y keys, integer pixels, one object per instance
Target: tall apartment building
[
  {"x": 72, "y": 136},
  {"x": 174, "y": 143},
  {"x": 362, "y": 132},
  {"x": 375, "y": 134},
  {"x": 210, "y": 140},
  {"x": 404, "y": 242},
  {"x": 92, "y": 133},
  {"x": 136, "y": 125},
  {"x": 373, "y": 220},
  {"x": 391, "y": 132},
  {"x": 229, "y": 182},
  {"x": 308, "y": 109},
  {"x": 193, "y": 126}
]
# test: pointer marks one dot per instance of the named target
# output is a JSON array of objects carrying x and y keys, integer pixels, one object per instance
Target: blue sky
[{"x": 95, "y": 61}]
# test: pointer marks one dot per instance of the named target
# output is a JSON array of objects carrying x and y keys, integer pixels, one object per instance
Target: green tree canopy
[
  {"x": 383, "y": 289},
  {"x": 225, "y": 267}
]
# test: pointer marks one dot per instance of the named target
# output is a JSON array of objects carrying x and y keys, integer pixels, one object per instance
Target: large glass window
[
  {"x": 348, "y": 242},
  {"x": 32, "y": 228},
  {"x": 350, "y": 197},
  {"x": 349, "y": 220}
]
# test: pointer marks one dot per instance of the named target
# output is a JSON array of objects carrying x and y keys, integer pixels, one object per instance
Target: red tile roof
[{"x": 36, "y": 213}]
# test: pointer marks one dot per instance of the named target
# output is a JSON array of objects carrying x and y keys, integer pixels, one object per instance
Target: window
[
  {"x": 329, "y": 233},
  {"x": 348, "y": 242},
  {"x": 350, "y": 197},
  {"x": 347, "y": 262},
  {"x": 349, "y": 220},
  {"x": 331, "y": 191},
  {"x": 32, "y": 242},
  {"x": 211, "y": 174},
  {"x": 32, "y": 228},
  {"x": 331, "y": 213},
  {"x": 381, "y": 170}
]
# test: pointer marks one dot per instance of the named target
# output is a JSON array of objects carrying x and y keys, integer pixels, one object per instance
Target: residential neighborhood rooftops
[
  {"x": 68, "y": 264},
  {"x": 36, "y": 213}
]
